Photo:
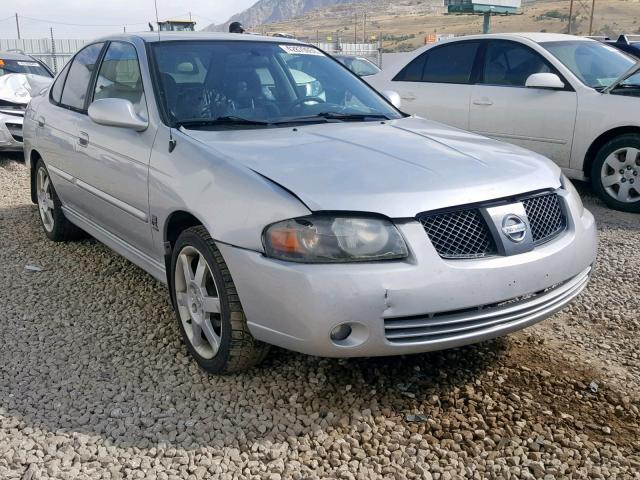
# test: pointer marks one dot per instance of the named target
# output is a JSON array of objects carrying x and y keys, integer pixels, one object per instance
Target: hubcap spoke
[
  {"x": 610, "y": 180},
  {"x": 211, "y": 304},
  {"x": 196, "y": 335},
  {"x": 631, "y": 156},
  {"x": 613, "y": 161},
  {"x": 623, "y": 192},
  {"x": 200, "y": 271},
  {"x": 186, "y": 268},
  {"x": 211, "y": 335}
]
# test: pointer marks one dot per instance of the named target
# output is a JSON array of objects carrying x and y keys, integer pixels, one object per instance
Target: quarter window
[
  {"x": 56, "y": 89},
  {"x": 449, "y": 63},
  {"x": 510, "y": 64},
  {"x": 119, "y": 77},
  {"x": 77, "y": 83}
]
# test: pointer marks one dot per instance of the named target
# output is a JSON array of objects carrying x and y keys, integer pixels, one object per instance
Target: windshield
[
  {"x": 597, "y": 65},
  {"x": 22, "y": 66},
  {"x": 260, "y": 84},
  {"x": 359, "y": 66}
]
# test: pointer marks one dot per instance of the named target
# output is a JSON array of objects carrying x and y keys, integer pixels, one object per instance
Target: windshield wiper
[
  {"x": 338, "y": 116},
  {"x": 226, "y": 120}
]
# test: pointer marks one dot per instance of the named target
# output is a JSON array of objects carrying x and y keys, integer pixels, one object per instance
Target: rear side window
[
  {"x": 511, "y": 63},
  {"x": 413, "y": 71},
  {"x": 79, "y": 76},
  {"x": 56, "y": 89},
  {"x": 449, "y": 63}
]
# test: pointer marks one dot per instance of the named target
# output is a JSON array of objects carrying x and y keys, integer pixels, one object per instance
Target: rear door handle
[
  {"x": 409, "y": 97},
  {"x": 483, "y": 101},
  {"x": 83, "y": 139},
  {"x": 41, "y": 121}
]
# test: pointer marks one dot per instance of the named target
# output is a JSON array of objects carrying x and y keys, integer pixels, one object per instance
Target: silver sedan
[{"x": 285, "y": 202}]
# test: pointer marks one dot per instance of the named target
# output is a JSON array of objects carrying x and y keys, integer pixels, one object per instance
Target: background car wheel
[
  {"x": 615, "y": 174},
  {"x": 208, "y": 309},
  {"x": 55, "y": 224}
]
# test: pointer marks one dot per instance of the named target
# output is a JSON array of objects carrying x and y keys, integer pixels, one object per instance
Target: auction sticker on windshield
[{"x": 300, "y": 50}]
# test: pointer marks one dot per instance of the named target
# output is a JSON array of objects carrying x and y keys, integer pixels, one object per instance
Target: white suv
[{"x": 569, "y": 98}]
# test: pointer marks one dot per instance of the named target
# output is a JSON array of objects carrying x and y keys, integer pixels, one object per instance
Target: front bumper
[
  {"x": 424, "y": 303},
  {"x": 11, "y": 132}
]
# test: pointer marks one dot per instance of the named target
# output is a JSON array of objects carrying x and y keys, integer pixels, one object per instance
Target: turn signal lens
[{"x": 329, "y": 239}]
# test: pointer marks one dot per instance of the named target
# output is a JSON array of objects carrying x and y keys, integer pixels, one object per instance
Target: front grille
[
  {"x": 545, "y": 216},
  {"x": 453, "y": 325},
  {"x": 460, "y": 234},
  {"x": 464, "y": 233}
]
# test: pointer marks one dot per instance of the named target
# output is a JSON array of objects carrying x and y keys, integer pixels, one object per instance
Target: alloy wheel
[
  {"x": 198, "y": 302},
  {"x": 620, "y": 175},
  {"x": 45, "y": 199}
]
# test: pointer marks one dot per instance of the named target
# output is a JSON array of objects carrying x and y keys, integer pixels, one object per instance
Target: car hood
[{"x": 397, "y": 168}]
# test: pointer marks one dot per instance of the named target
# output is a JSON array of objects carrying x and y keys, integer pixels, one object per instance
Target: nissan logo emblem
[{"x": 514, "y": 228}]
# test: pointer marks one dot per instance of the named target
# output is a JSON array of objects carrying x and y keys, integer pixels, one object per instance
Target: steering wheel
[{"x": 300, "y": 101}]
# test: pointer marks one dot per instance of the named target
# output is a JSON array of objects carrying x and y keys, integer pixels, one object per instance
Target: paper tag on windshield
[
  {"x": 29, "y": 64},
  {"x": 300, "y": 50}
]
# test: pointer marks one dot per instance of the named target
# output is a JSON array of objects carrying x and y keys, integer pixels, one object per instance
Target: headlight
[
  {"x": 333, "y": 239},
  {"x": 568, "y": 186}
]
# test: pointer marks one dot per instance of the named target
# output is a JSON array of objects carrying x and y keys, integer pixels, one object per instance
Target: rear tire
[
  {"x": 208, "y": 310},
  {"x": 55, "y": 225},
  {"x": 615, "y": 173}
]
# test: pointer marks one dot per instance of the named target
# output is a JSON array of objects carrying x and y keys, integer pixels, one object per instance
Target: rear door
[
  {"x": 437, "y": 84},
  {"x": 58, "y": 125},
  {"x": 502, "y": 107}
]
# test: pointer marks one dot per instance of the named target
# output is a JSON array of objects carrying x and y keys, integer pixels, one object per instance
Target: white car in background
[{"x": 572, "y": 99}]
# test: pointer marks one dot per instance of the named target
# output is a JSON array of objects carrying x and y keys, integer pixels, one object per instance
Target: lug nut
[
  {"x": 631, "y": 181},
  {"x": 623, "y": 179},
  {"x": 622, "y": 171}
]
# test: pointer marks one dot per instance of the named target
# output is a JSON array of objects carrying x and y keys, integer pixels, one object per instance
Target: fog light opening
[{"x": 340, "y": 332}]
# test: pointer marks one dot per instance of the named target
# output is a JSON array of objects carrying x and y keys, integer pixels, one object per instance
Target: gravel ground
[{"x": 95, "y": 382}]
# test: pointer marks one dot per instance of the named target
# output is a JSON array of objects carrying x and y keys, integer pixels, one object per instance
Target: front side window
[
  {"x": 119, "y": 77},
  {"x": 595, "y": 64},
  {"x": 259, "y": 82},
  {"x": 449, "y": 63},
  {"x": 511, "y": 63},
  {"x": 77, "y": 83},
  {"x": 363, "y": 67}
]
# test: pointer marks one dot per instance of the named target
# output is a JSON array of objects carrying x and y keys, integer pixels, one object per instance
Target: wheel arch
[
  {"x": 600, "y": 141},
  {"x": 176, "y": 223},
  {"x": 34, "y": 156}
]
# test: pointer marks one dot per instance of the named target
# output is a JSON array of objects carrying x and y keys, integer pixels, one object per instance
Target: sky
[{"x": 93, "y": 18}]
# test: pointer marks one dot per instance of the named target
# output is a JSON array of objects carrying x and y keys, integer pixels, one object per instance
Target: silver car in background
[{"x": 320, "y": 219}]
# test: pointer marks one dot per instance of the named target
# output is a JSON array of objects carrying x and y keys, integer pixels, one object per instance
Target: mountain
[{"x": 270, "y": 11}]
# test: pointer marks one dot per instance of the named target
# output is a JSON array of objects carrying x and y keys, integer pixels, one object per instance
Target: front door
[
  {"x": 116, "y": 160},
  {"x": 503, "y": 108}
]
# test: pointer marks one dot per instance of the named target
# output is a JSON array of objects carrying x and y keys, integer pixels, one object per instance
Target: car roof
[
  {"x": 154, "y": 37},
  {"x": 14, "y": 56},
  {"x": 533, "y": 36}
]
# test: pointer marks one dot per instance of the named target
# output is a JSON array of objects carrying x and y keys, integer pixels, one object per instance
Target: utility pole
[
  {"x": 355, "y": 27},
  {"x": 124, "y": 28},
  {"x": 593, "y": 7},
  {"x": 17, "y": 26},
  {"x": 570, "y": 15},
  {"x": 364, "y": 27},
  {"x": 53, "y": 52}
]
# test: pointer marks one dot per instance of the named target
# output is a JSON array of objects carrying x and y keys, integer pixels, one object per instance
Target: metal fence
[
  {"x": 370, "y": 51},
  {"x": 54, "y": 52}
]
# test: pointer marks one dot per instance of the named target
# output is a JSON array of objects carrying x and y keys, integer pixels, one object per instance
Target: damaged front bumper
[{"x": 11, "y": 128}]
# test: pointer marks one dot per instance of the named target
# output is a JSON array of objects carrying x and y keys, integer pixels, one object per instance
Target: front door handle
[
  {"x": 83, "y": 139},
  {"x": 409, "y": 97},
  {"x": 483, "y": 101},
  {"x": 41, "y": 121}
]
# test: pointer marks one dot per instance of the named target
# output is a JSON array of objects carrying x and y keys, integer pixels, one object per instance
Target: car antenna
[
  {"x": 172, "y": 141},
  {"x": 155, "y": 4}
]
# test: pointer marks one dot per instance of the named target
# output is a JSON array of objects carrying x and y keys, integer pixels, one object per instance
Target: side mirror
[
  {"x": 544, "y": 80},
  {"x": 116, "y": 112},
  {"x": 393, "y": 97}
]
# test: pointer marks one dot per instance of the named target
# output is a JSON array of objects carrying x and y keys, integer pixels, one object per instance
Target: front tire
[
  {"x": 54, "y": 223},
  {"x": 208, "y": 310},
  {"x": 615, "y": 174}
]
